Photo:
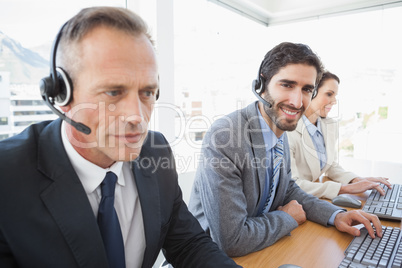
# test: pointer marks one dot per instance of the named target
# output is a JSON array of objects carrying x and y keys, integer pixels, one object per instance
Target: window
[
  {"x": 27, "y": 103},
  {"x": 23, "y": 124},
  {"x": 3, "y": 121},
  {"x": 22, "y": 113},
  {"x": 26, "y": 37},
  {"x": 217, "y": 58}
]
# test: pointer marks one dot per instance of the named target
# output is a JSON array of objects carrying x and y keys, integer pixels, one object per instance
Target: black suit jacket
[{"x": 46, "y": 219}]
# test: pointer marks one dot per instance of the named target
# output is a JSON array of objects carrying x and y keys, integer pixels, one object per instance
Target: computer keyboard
[
  {"x": 365, "y": 251},
  {"x": 388, "y": 206}
]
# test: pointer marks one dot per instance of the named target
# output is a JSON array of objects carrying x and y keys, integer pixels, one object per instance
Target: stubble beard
[{"x": 281, "y": 122}]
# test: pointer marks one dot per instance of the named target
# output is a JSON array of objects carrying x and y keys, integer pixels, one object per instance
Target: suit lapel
[
  {"x": 67, "y": 201},
  {"x": 258, "y": 147},
  {"x": 148, "y": 192}
]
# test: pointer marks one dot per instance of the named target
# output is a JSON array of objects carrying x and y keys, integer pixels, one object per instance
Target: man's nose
[
  {"x": 132, "y": 110},
  {"x": 295, "y": 98}
]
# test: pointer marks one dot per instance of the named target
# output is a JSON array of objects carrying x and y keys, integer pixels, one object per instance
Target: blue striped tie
[
  {"x": 278, "y": 157},
  {"x": 109, "y": 225}
]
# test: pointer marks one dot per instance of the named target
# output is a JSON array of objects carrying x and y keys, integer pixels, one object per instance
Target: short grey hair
[{"x": 86, "y": 20}]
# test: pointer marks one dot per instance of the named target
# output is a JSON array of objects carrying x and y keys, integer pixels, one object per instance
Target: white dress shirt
[{"x": 127, "y": 203}]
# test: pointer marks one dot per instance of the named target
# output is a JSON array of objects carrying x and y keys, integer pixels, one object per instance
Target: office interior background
[{"x": 209, "y": 55}]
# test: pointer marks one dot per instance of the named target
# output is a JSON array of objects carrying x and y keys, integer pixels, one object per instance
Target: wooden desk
[{"x": 310, "y": 246}]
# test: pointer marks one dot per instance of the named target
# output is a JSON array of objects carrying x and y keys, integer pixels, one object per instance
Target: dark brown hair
[
  {"x": 326, "y": 76},
  {"x": 289, "y": 53}
]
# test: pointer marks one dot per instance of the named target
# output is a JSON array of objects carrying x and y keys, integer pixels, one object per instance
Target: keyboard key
[
  {"x": 344, "y": 264},
  {"x": 370, "y": 262},
  {"x": 359, "y": 256},
  {"x": 365, "y": 251},
  {"x": 388, "y": 206},
  {"x": 383, "y": 263}
]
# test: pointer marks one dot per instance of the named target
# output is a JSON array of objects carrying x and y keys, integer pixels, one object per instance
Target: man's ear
[{"x": 66, "y": 108}]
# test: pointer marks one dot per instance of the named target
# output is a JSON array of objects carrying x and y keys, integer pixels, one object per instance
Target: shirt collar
[
  {"x": 311, "y": 128},
  {"x": 269, "y": 136},
  {"x": 90, "y": 175}
]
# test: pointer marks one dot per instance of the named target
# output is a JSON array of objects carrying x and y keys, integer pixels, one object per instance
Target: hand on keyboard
[
  {"x": 383, "y": 252},
  {"x": 345, "y": 221},
  {"x": 388, "y": 206},
  {"x": 360, "y": 185}
]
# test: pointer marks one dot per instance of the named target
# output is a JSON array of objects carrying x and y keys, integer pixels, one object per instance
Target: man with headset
[
  {"x": 243, "y": 193},
  {"x": 89, "y": 193}
]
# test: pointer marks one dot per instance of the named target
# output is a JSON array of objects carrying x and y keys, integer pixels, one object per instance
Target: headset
[
  {"x": 258, "y": 87},
  {"x": 57, "y": 88},
  {"x": 316, "y": 87}
]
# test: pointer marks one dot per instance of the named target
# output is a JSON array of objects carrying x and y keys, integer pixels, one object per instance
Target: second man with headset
[{"x": 243, "y": 193}]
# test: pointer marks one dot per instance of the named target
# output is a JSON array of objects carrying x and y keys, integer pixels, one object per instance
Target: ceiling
[{"x": 271, "y": 12}]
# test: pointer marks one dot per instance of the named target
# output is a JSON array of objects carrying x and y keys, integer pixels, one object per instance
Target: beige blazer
[{"x": 305, "y": 163}]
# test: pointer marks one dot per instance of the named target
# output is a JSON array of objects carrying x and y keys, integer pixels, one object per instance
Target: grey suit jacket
[{"x": 230, "y": 181}]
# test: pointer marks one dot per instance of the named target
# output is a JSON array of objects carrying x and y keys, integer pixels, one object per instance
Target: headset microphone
[
  {"x": 57, "y": 88},
  {"x": 258, "y": 84},
  {"x": 79, "y": 126}
]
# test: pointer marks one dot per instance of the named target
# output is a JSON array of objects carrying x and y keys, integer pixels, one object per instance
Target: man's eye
[
  {"x": 113, "y": 93},
  {"x": 309, "y": 90},
  {"x": 147, "y": 93}
]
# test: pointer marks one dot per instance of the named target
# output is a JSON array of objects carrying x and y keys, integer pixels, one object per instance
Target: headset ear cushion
[
  {"x": 46, "y": 86},
  {"x": 64, "y": 94},
  {"x": 256, "y": 84},
  {"x": 315, "y": 91}
]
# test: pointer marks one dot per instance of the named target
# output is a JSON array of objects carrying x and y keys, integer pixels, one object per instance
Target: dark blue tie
[
  {"x": 277, "y": 163},
  {"x": 109, "y": 225}
]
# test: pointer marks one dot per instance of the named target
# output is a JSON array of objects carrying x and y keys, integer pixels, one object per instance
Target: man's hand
[
  {"x": 294, "y": 209},
  {"x": 360, "y": 185},
  {"x": 344, "y": 222}
]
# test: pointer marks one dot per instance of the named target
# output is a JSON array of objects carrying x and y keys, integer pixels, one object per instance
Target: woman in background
[{"x": 314, "y": 152}]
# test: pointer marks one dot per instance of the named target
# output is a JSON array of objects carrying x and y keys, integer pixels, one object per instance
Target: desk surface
[{"x": 310, "y": 245}]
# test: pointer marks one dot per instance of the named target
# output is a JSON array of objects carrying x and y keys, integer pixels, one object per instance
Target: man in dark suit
[{"x": 52, "y": 174}]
